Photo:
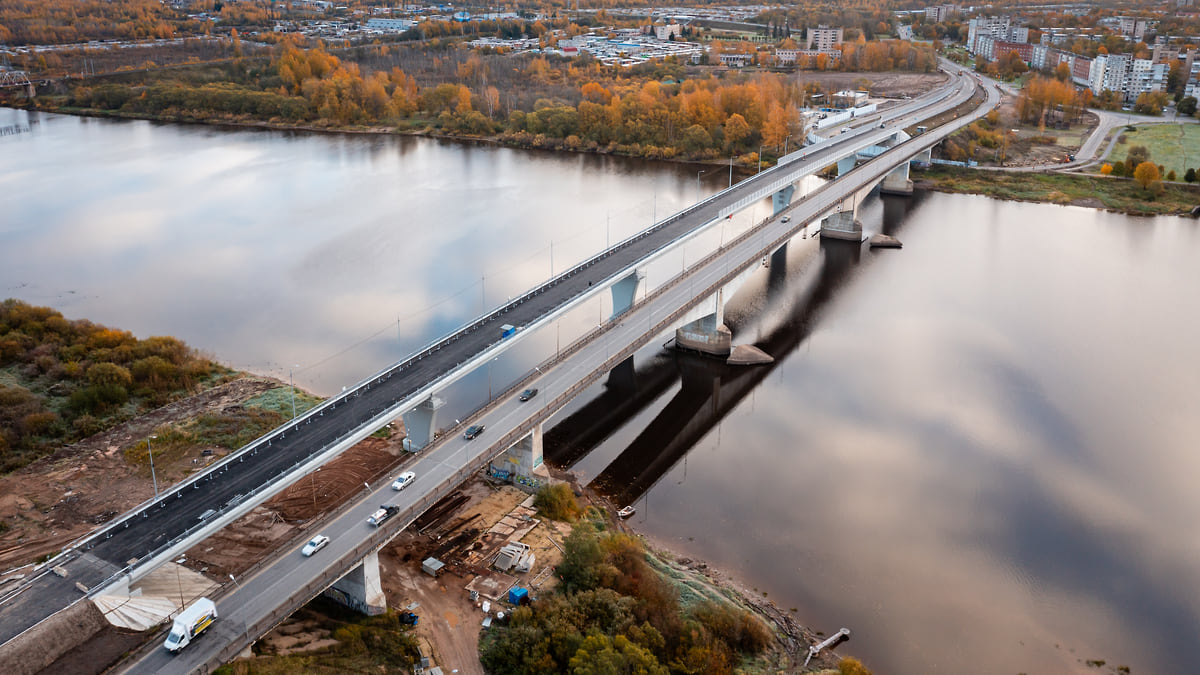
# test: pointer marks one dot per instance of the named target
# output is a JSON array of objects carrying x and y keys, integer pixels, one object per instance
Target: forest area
[
  {"x": 63, "y": 380},
  {"x": 618, "y": 609},
  {"x": 659, "y": 109}
]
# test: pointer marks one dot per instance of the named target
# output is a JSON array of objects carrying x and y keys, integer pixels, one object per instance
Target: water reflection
[
  {"x": 975, "y": 454},
  {"x": 337, "y": 252}
]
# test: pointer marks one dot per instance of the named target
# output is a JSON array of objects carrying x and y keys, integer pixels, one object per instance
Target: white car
[
  {"x": 404, "y": 480},
  {"x": 318, "y": 542}
]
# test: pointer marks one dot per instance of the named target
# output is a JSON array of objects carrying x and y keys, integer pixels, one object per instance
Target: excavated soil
[
  {"x": 465, "y": 530},
  {"x": 58, "y": 499},
  {"x": 274, "y": 523}
]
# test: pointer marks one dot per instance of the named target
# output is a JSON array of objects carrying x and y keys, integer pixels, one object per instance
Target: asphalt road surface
[
  {"x": 161, "y": 522},
  {"x": 289, "y": 580}
]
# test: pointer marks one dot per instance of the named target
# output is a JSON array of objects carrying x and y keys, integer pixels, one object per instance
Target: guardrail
[
  {"x": 773, "y": 183},
  {"x": 384, "y": 534}
]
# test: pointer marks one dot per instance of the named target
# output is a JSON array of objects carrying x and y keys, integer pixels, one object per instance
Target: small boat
[{"x": 626, "y": 512}]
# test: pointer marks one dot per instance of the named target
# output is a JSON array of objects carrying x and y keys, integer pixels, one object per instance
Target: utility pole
[{"x": 153, "y": 477}]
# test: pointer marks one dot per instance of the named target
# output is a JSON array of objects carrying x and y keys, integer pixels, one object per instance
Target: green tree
[
  {"x": 602, "y": 655},
  {"x": 1190, "y": 175},
  {"x": 1186, "y": 106},
  {"x": 583, "y": 558},
  {"x": 557, "y": 502},
  {"x": 1137, "y": 155}
]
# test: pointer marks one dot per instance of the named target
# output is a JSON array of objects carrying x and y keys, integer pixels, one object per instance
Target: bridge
[
  {"x": 132, "y": 545},
  {"x": 16, "y": 78}
]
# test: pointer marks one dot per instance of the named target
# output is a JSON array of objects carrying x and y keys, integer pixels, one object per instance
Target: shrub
[
  {"x": 852, "y": 666},
  {"x": 557, "y": 502}
]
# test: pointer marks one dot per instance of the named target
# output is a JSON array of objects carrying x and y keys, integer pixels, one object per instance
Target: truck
[
  {"x": 385, "y": 511},
  {"x": 190, "y": 623},
  {"x": 507, "y": 330}
]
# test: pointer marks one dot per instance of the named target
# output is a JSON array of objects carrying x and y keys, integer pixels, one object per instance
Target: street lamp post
[
  {"x": 785, "y": 143},
  {"x": 292, "y": 386},
  {"x": 153, "y": 477},
  {"x": 760, "y": 149},
  {"x": 731, "y": 171},
  {"x": 698, "y": 174}
]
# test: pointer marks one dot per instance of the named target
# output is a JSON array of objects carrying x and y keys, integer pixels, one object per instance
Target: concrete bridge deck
[{"x": 161, "y": 527}]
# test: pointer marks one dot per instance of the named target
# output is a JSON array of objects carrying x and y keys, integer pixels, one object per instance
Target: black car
[
  {"x": 473, "y": 431},
  {"x": 528, "y": 394}
]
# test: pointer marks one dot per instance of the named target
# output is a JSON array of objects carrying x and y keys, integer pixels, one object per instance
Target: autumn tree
[
  {"x": 1146, "y": 174},
  {"x": 736, "y": 131}
]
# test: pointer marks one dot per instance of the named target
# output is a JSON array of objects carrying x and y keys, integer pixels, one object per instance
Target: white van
[{"x": 190, "y": 623}]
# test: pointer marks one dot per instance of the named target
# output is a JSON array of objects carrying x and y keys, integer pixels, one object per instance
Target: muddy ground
[
  {"x": 464, "y": 531},
  {"x": 883, "y": 85},
  {"x": 58, "y": 499}
]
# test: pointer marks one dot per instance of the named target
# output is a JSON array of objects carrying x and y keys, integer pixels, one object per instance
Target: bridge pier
[
  {"x": 842, "y": 225},
  {"x": 897, "y": 182},
  {"x": 361, "y": 589},
  {"x": 419, "y": 423},
  {"x": 708, "y": 334},
  {"x": 522, "y": 464},
  {"x": 624, "y": 292},
  {"x": 782, "y": 199},
  {"x": 845, "y": 164}
]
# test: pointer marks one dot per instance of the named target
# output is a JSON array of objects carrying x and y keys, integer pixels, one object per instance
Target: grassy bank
[
  {"x": 1175, "y": 146},
  {"x": 1113, "y": 194},
  {"x": 63, "y": 380}
]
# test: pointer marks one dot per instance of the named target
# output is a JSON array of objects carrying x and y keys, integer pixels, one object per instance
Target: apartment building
[
  {"x": 938, "y": 13},
  {"x": 824, "y": 38},
  {"x": 996, "y": 27}
]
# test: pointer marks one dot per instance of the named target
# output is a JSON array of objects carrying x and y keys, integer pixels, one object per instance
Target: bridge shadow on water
[{"x": 708, "y": 389}]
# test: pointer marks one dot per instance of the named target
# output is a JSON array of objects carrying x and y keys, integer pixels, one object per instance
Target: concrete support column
[
  {"x": 845, "y": 164},
  {"x": 842, "y": 225},
  {"x": 419, "y": 423},
  {"x": 924, "y": 156},
  {"x": 782, "y": 199},
  {"x": 708, "y": 334},
  {"x": 897, "y": 182},
  {"x": 522, "y": 464},
  {"x": 361, "y": 589},
  {"x": 624, "y": 292}
]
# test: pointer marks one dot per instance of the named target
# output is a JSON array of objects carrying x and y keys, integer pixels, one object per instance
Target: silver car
[{"x": 316, "y": 544}]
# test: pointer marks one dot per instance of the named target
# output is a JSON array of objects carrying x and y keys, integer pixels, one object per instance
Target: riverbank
[
  {"x": 425, "y": 129},
  {"x": 1111, "y": 194}
]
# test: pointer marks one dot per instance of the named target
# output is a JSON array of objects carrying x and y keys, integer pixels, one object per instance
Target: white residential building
[
  {"x": 1133, "y": 27},
  {"x": 824, "y": 38},
  {"x": 996, "y": 27},
  {"x": 938, "y": 13},
  {"x": 664, "y": 32}
]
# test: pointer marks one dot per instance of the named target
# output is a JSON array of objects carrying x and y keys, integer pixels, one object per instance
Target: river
[{"x": 976, "y": 453}]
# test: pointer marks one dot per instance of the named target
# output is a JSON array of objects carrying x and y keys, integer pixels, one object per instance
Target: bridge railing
[
  {"x": 380, "y": 537},
  {"x": 428, "y": 350}
]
